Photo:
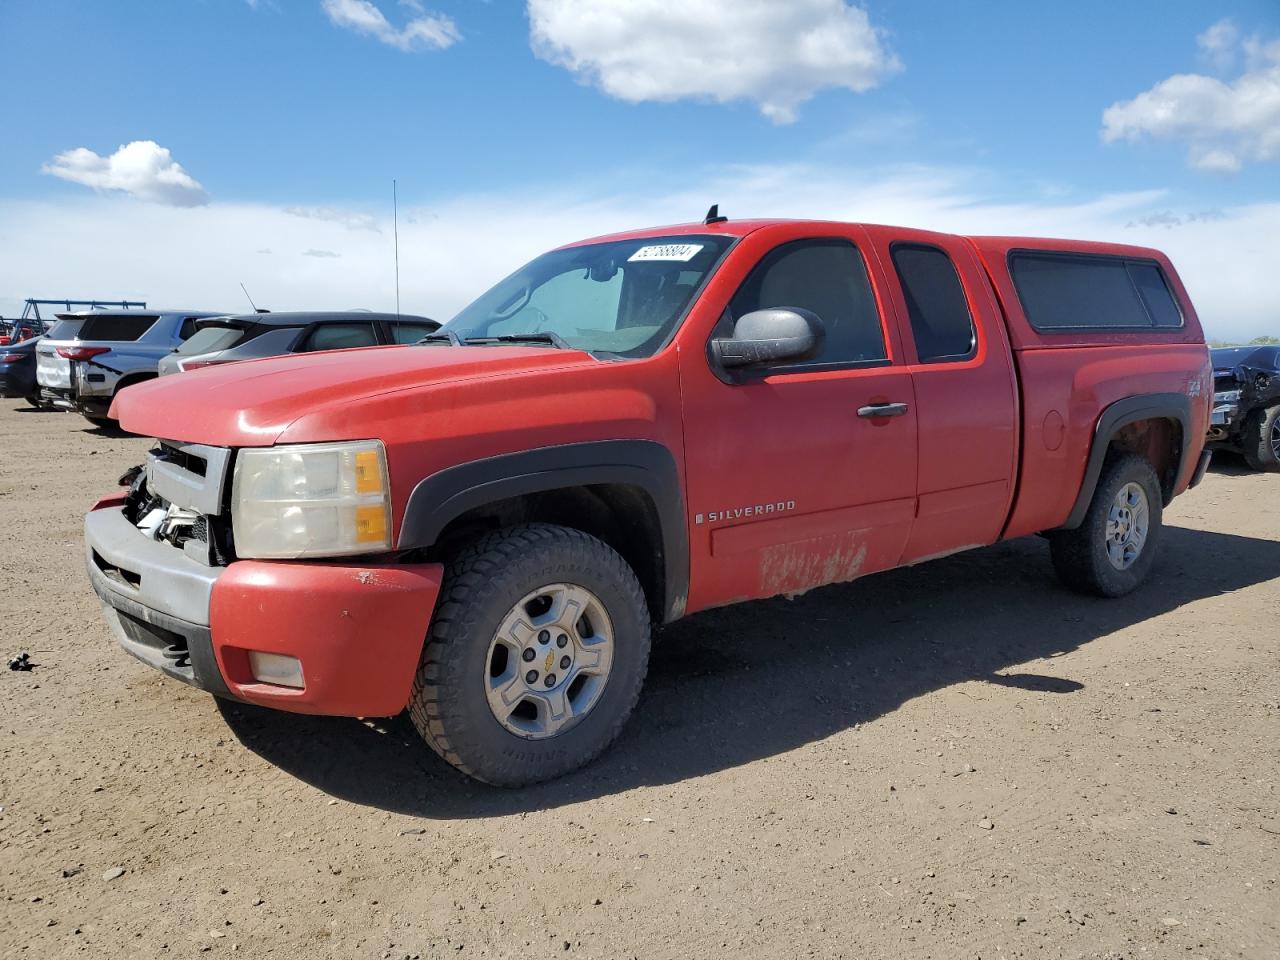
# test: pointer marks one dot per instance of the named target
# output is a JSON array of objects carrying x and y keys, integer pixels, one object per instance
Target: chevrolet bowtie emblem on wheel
[{"x": 550, "y": 662}]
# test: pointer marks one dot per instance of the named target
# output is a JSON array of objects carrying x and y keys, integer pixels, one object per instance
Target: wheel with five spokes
[{"x": 535, "y": 657}]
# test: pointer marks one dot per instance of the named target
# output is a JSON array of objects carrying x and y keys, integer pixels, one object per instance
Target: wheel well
[
  {"x": 623, "y": 516},
  {"x": 131, "y": 379},
  {"x": 1157, "y": 439}
]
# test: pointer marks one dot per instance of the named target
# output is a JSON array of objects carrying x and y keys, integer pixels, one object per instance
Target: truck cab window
[
  {"x": 828, "y": 277},
  {"x": 940, "y": 320}
]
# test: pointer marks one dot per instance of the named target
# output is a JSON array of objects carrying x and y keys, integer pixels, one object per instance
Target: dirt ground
[{"x": 958, "y": 760}]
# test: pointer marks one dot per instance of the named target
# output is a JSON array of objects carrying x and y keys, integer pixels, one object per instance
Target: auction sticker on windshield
[{"x": 680, "y": 252}]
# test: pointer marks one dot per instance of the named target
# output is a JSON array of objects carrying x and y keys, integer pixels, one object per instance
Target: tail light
[
  {"x": 82, "y": 353},
  {"x": 186, "y": 366},
  {"x": 11, "y": 357},
  {"x": 5, "y": 341}
]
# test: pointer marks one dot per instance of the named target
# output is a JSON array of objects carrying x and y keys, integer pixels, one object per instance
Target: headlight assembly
[
  {"x": 311, "y": 500},
  {"x": 1227, "y": 396}
]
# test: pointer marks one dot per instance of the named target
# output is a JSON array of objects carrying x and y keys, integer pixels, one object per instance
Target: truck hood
[{"x": 251, "y": 403}]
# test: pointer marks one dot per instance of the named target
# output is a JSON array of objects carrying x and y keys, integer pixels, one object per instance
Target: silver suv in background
[
  {"x": 255, "y": 335},
  {"x": 87, "y": 358}
]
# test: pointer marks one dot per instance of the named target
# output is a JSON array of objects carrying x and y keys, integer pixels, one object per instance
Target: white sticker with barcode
[{"x": 678, "y": 252}]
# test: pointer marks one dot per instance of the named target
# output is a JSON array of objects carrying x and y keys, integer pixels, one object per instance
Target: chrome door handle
[{"x": 883, "y": 410}]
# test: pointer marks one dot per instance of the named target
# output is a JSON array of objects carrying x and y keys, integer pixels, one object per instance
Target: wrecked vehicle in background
[{"x": 1246, "y": 404}]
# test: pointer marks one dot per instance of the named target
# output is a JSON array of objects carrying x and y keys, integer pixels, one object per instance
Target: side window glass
[
  {"x": 340, "y": 336},
  {"x": 829, "y": 278},
  {"x": 940, "y": 320},
  {"x": 187, "y": 329},
  {"x": 409, "y": 332}
]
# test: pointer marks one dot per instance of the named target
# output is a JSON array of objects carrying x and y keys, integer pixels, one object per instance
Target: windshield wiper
[
  {"x": 443, "y": 336},
  {"x": 541, "y": 336}
]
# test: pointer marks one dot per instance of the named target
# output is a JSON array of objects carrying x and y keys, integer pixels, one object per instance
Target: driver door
[{"x": 803, "y": 473}]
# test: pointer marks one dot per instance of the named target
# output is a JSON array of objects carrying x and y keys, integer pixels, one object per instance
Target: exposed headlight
[
  {"x": 311, "y": 500},
  {"x": 1227, "y": 396}
]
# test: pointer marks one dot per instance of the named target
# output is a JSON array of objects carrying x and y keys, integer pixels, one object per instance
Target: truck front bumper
[{"x": 356, "y": 631}]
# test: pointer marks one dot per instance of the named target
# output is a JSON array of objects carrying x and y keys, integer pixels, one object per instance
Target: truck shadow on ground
[{"x": 731, "y": 686}]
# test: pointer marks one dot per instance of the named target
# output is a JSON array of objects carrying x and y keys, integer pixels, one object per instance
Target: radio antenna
[
  {"x": 249, "y": 298},
  {"x": 395, "y": 227}
]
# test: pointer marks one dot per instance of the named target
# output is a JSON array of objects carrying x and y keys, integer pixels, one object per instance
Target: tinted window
[
  {"x": 409, "y": 332},
  {"x": 828, "y": 278},
  {"x": 115, "y": 328},
  {"x": 940, "y": 319},
  {"x": 187, "y": 329},
  {"x": 339, "y": 336},
  {"x": 1069, "y": 292},
  {"x": 210, "y": 339},
  {"x": 1149, "y": 280}
]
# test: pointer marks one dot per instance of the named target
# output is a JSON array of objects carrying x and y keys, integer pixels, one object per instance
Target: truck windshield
[{"x": 623, "y": 298}]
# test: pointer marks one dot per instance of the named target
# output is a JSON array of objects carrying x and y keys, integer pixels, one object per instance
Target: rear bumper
[
  {"x": 16, "y": 384},
  {"x": 356, "y": 630}
]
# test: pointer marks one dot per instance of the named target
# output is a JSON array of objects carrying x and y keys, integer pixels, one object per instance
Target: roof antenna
[
  {"x": 249, "y": 298},
  {"x": 713, "y": 215},
  {"x": 395, "y": 225}
]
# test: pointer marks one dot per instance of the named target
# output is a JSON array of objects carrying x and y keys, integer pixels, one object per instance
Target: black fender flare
[
  {"x": 645, "y": 464},
  {"x": 1150, "y": 406}
]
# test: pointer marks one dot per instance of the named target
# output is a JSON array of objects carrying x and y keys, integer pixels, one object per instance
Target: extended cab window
[
  {"x": 1061, "y": 291},
  {"x": 940, "y": 320},
  {"x": 826, "y": 277},
  {"x": 624, "y": 298},
  {"x": 340, "y": 336}
]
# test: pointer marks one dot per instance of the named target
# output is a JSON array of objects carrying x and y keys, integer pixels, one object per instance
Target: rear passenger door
[
  {"x": 339, "y": 336},
  {"x": 958, "y": 355}
]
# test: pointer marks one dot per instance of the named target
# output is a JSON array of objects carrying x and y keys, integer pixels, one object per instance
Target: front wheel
[
  {"x": 1260, "y": 439},
  {"x": 1112, "y": 550},
  {"x": 535, "y": 657}
]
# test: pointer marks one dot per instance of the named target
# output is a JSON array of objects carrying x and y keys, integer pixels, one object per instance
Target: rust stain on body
[{"x": 795, "y": 568}]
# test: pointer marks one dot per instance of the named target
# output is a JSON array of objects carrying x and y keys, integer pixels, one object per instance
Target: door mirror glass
[{"x": 774, "y": 335}]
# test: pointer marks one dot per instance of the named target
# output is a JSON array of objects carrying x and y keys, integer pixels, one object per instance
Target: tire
[
  {"x": 1083, "y": 557},
  {"x": 496, "y": 579},
  {"x": 34, "y": 401},
  {"x": 1260, "y": 439}
]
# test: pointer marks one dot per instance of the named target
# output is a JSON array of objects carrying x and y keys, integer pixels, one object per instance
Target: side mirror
[{"x": 769, "y": 336}]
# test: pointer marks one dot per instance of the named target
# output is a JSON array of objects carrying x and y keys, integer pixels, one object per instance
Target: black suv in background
[
  {"x": 255, "y": 335},
  {"x": 1246, "y": 404}
]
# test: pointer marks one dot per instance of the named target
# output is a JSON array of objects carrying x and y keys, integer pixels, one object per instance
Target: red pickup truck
[{"x": 484, "y": 527}]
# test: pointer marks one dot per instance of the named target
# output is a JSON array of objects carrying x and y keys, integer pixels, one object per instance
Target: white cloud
[
  {"x": 1225, "y": 124},
  {"x": 778, "y": 54},
  {"x": 351, "y": 219},
  {"x": 428, "y": 31},
  {"x": 1220, "y": 44},
  {"x": 450, "y": 253},
  {"x": 142, "y": 169}
]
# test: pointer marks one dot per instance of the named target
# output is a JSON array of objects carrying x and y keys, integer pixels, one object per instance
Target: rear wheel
[
  {"x": 535, "y": 657},
  {"x": 1260, "y": 439},
  {"x": 1110, "y": 553}
]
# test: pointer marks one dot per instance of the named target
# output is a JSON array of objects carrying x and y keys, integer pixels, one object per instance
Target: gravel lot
[{"x": 958, "y": 760}]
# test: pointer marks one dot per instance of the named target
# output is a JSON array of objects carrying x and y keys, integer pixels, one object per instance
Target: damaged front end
[
  {"x": 202, "y": 537},
  {"x": 1236, "y": 393}
]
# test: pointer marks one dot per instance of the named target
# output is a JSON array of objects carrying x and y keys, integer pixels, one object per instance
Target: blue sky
[{"x": 964, "y": 115}]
